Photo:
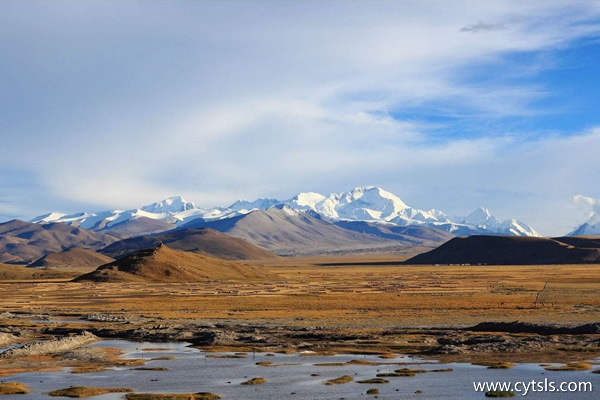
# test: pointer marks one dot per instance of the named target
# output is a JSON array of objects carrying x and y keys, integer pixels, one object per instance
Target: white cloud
[
  {"x": 127, "y": 104},
  {"x": 484, "y": 27},
  {"x": 589, "y": 204},
  {"x": 580, "y": 199}
]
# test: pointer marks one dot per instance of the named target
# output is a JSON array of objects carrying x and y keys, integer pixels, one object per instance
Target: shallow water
[{"x": 192, "y": 371}]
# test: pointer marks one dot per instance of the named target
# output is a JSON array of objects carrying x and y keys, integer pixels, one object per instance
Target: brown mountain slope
[
  {"x": 162, "y": 264},
  {"x": 203, "y": 241},
  {"x": 24, "y": 242},
  {"x": 73, "y": 258},
  {"x": 508, "y": 250},
  {"x": 137, "y": 227},
  {"x": 289, "y": 232},
  {"x": 413, "y": 234}
]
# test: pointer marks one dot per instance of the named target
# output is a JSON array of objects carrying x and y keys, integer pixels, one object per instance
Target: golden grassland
[
  {"x": 366, "y": 297},
  {"x": 338, "y": 292}
]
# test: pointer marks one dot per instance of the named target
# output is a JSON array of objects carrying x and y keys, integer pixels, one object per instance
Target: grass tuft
[
  {"x": 496, "y": 365},
  {"x": 12, "y": 388},
  {"x": 157, "y": 396},
  {"x": 85, "y": 391},
  {"x": 374, "y": 380},
  {"x": 150, "y": 369},
  {"x": 580, "y": 366},
  {"x": 87, "y": 369},
  {"x": 340, "y": 381},
  {"x": 255, "y": 381},
  {"x": 264, "y": 363}
]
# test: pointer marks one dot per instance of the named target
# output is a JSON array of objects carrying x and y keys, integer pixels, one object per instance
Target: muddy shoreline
[{"x": 513, "y": 341}]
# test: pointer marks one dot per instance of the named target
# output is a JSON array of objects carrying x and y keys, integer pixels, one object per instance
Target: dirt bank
[{"x": 41, "y": 348}]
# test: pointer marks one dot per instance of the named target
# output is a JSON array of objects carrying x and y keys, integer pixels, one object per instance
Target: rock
[
  {"x": 105, "y": 318},
  {"x": 525, "y": 327}
]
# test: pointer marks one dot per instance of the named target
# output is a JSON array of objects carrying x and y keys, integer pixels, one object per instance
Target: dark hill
[
  {"x": 507, "y": 250},
  {"x": 586, "y": 242},
  {"x": 23, "y": 242},
  {"x": 204, "y": 241},
  {"x": 162, "y": 264}
]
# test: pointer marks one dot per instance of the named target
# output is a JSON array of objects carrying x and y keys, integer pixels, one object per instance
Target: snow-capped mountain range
[{"x": 371, "y": 204}]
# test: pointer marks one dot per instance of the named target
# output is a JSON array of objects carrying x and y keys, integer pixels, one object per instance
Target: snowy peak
[
  {"x": 366, "y": 203},
  {"x": 372, "y": 201},
  {"x": 308, "y": 200},
  {"x": 284, "y": 209},
  {"x": 316, "y": 203},
  {"x": 518, "y": 228},
  {"x": 481, "y": 217},
  {"x": 369, "y": 203},
  {"x": 172, "y": 210},
  {"x": 589, "y": 228},
  {"x": 485, "y": 223},
  {"x": 592, "y": 226},
  {"x": 47, "y": 218},
  {"x": 375, "y": 195},
  {"x": 259, "y": 204},
  {"x": 172, "y": 205}
]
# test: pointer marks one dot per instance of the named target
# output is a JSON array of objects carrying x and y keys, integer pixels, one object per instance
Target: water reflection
[{"x": 291, "y": 376}]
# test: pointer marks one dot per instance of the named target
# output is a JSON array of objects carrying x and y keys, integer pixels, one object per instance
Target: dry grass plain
[
  {"x": 338, "y": 292},
  {"x": 360, "y": 305}
]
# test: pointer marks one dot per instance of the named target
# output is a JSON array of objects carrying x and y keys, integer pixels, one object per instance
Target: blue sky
[{"x": 118, "y": 104}]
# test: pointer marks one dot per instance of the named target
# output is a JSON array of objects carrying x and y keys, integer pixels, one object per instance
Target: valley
[
  {"x": 367, "y": 303},
  {"x": 356, "y": 273}
]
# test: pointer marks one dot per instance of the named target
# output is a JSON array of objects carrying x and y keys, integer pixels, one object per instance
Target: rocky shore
[
  {"x": 516, "y": 340},
  {"x": 53, "y": 346}
]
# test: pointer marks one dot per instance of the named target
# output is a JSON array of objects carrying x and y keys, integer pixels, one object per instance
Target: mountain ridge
[
  {"x": 24, "y": 242},
  {"x": 287, "y": 231},
  {"x": 202, "y": 241},
  {"x": 367, "y": 203}
]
